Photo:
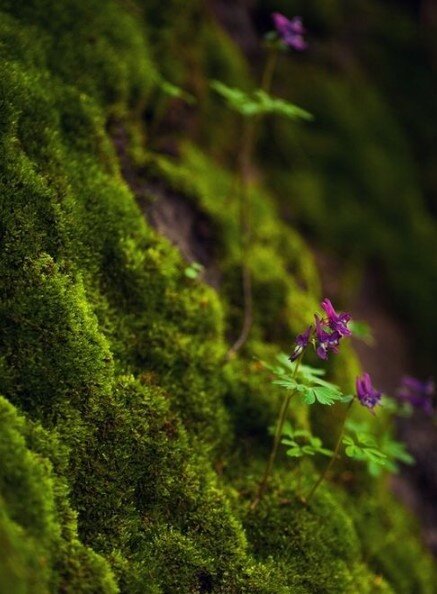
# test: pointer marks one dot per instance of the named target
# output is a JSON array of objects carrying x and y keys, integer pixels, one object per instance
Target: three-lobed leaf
[
  {"x": 306, "y": 381},
  {"x": 364, "y": 449}
]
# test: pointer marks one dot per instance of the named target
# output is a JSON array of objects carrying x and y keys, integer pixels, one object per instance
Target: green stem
[
  {"x": 248, "y": 143},
  {"x": 332, "y": 460},
  {"x": 277, "y": 440},
  {"x": 269, "y": 69}
]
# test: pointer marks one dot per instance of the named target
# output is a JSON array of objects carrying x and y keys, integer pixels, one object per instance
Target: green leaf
[
  {"x": 303, "y": 370},
  {"x": 396, "y": 450},
  {"x": 269, "y": 104},
  {"x": 307, "y": 382},
  {"x": 193, "y": 270},
  {"x": 366, "y": 439},
  {"x": 325, "y": 452},
  {"x": 257, "y": 103},
  {"x": 308, "y": 396},
  {"x": 315, "y": 442},
  {"x": 288, "y": 384},
  {"x": 307, "y": 449},
  {"x": 295, "y": 452},
  {"x": 175, "y": 92},
  {"x": 351, "y": 451},
  {"x": 377, "y": 452},
  {"x": 326, "y": 395},
  {"x": 374, "y": 456}
]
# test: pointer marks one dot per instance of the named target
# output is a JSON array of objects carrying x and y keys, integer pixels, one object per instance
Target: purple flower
[
  {"x": 417, "y": 393},
  {"x": 290, "y": 32},
  {"x": 301, "y": 343},
  {"x": 326, "y": 333},
  {"x": 337, "y": 322},
  {"x": 326, "y": 341},
  {"x": 366, "y": 393}
]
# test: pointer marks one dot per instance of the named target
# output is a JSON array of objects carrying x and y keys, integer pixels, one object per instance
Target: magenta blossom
[
  {"x": 417, "y": 393},
  {"x": 337, "y": 322},
  {"x": 301, "y": 343},
  {"x": 367, "y": 394},
  {"x": 291, "y": 32},
  {"x": 325, "y": 334},
  {"x": 326, "y": 341}
]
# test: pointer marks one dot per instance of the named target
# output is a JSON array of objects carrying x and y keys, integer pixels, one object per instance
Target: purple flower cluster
[
  {"x": 325, "y": 334},
  {"x": 291, "y": 32},
  {"x": 417, "y": 393},
  {"x": 367, "y": 394}
]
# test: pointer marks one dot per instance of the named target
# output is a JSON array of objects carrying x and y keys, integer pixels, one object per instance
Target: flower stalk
[
  {"x": 248, "y": 143},
  {"x": 333, "y": 458},
  {"x": 277, "y": 440}
]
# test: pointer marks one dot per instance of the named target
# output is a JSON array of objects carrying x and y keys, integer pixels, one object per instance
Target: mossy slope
[{"x": 119, "y": 416}]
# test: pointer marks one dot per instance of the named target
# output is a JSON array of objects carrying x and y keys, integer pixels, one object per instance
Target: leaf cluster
[
  {"x": 363, "y": 447},
  {"x": 306, "y": 381},
  {"x": 258, "y": 103},
  {"x": 380, "y": 454},
  {"x": 302, "y": 443}
]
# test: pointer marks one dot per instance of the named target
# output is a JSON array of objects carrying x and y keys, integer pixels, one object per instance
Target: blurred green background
[{"x": 360, "y": 181}]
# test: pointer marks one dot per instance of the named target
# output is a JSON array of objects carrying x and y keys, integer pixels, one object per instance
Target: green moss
[
  {"x": 316, "y": 547},
  {"x": 284, "y": 274},
  {"x": 385, "y": 531},
  {"x": 40, "y": 549}
]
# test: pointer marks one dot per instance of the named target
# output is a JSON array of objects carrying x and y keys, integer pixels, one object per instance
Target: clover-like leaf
[
  {"x": 364, "y": 449},
  {"x": 383, "y": 453},
  {"x": 306, "y": 381},
  {"x": 301, "y": 443}
]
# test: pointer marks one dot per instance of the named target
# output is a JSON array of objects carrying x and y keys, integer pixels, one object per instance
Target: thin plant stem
[
  {"x": 277, "y": 440},
  {"x": 333, "y": 458},
  {"x": 248, "y": 142},
  {"x": 269, "y": 70}
]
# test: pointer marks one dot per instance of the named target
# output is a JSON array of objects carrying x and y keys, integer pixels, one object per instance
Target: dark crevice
[{"x": 170, "y": 212}]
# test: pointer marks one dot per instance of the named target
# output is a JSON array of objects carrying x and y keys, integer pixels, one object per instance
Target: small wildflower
[
  {"x": 337, "y": 322},
  {"x": 326, "y": 341},
  {"x": 417, "y": 393},
  {"x": 301, "y": 343},
  {"x": 325, "y": 334},
  {"x": 367, "y": 394},
  {"x": 291, "y": 32}
]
